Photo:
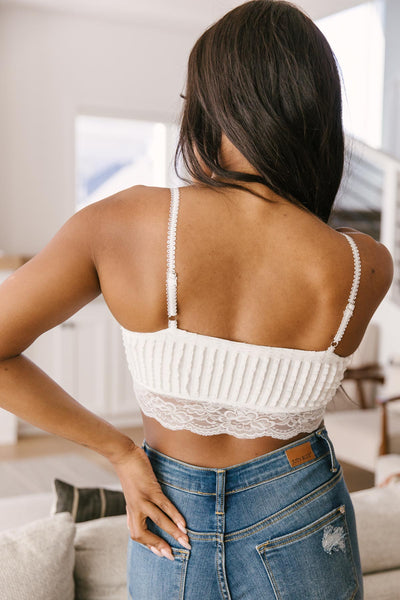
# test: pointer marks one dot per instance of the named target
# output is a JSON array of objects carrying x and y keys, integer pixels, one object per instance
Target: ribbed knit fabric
[{"x": 211, "y": 385}]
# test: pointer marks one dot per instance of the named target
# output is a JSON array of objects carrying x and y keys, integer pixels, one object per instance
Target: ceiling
[{"x": 189, "y": 13}]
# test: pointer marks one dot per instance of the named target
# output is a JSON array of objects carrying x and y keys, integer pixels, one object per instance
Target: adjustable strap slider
[
  {"x": 171, "y": 293},
  {"x": 349, "y": 309}
]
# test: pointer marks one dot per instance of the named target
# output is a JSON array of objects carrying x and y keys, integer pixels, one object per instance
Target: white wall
[{"x": 52, "y": 66}]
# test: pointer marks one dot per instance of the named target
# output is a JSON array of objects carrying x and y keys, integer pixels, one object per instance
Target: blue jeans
[{"x": 279, "y": 526}]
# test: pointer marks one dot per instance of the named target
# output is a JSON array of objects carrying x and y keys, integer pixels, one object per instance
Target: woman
[{"x": 237, "y": 482}]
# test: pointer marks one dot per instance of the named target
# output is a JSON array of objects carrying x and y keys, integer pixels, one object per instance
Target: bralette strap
[
  {"x": 171, "y": 273},
  {"x": 348, "y": 311}
]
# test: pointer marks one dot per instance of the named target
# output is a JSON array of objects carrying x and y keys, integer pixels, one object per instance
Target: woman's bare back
[{"x": 248, "y": 270}]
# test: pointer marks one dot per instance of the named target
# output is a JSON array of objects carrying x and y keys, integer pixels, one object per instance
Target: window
[
  {"x": 356, "y": 36},
  {"x": 113, "y": 154},
  {"x": 359, "y": 199}
]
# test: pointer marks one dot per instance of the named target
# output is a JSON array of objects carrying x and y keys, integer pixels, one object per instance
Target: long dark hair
[{"x": 266, "y": 77}]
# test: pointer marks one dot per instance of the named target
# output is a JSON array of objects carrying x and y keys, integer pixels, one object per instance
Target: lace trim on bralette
[{"x": 211, "y": 418}]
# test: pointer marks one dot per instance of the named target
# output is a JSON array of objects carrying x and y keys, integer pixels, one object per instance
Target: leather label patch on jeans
[{"x": 300, "y": 454}]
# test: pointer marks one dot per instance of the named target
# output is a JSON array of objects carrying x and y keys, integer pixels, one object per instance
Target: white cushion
[
  {"x": 382, "y": 586},
  {"x": 387, "y": 465},
  {"x": 377, "y": 513},
  {"x": 37, "y": 560},
  {"x": 100, "y": 559}
]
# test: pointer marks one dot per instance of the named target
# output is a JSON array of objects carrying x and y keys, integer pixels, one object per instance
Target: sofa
[{"x": 45, "y": 556}]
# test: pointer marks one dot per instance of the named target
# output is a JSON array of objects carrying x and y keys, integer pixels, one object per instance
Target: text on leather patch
[{"x": 300, "y": 454}]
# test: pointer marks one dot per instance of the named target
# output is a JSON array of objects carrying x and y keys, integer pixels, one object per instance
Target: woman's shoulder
[
  {"x": 376, "y": 260},
  {"x": 130, "y": 209},
  {"x": 129, "y": 200}
]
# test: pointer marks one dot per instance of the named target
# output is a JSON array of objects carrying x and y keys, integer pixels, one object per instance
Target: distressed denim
[{"x": 279, "y": 526}]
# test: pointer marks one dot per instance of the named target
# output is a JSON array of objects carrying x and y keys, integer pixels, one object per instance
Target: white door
[{"x": 85, "y": 356}]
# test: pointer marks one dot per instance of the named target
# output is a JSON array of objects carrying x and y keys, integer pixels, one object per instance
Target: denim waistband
[{"x": 271, "y": 465}]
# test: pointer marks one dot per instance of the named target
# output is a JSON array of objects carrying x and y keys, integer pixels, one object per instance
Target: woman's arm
[{"x": 44, "y": 292}]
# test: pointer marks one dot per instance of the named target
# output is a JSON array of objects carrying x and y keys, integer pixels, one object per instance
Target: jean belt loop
[{"x": 324, "y": 434}]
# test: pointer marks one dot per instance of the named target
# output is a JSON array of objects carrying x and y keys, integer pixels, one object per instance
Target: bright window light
[
  {"x": 356, "y": 36},
  {"x": 113, "y": 154}
]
